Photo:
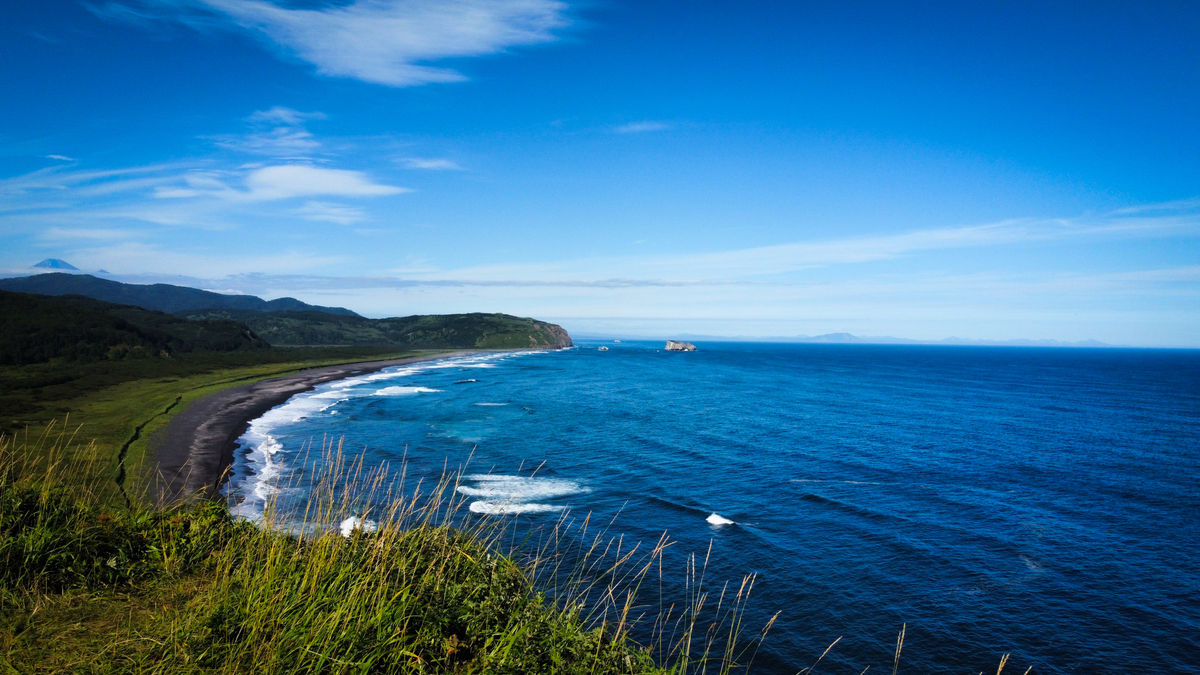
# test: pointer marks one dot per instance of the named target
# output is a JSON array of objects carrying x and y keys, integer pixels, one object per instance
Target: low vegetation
[{"x": 88, "y": 583}]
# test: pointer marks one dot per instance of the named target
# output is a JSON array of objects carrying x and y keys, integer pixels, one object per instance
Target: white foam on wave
[
  {"x": 834, "y": 480},
  {"x": 507, "y": 508},
  {"x": 518, "y": 488},
  {"x": 718, "y": 520},
  {"x": 505, "y": 494},
  {"x": 488, "y": 404},
  {"x": 404, "y": 391},
  {"x": 354, "y": 523},
  {"x": 263, "y": 465}
]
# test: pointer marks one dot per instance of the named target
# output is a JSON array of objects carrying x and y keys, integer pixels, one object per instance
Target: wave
[
  {"x": 507, "y": 494},
  {"x": 506, "y": 508},
  {"x": 353, "y": 523},
  {"x": 845, "y": 507},
  {"x": 836, "y": 480},
  {"x": 488, "y": 404},
  {"x": 710, "y": 516},
  {"x": 687, "y": 508},
  {"x": 718, "y": 520},
  {"x": 404, "y": 391},
  {"x": 519, "y": 488},
  {"x": 262, "y": 462}
]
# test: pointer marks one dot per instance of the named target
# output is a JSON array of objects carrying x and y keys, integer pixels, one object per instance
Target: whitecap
[
  {"x": 718, "y": 520},
  {"x": 349, "y": 525},
  {"x": 518, "y": 488},
  {"x": 507, "y": 508},
  {"x": 404, "y": 391},
  {"x": 506, "y": 494},
  {"x": 490, "y": 405}
]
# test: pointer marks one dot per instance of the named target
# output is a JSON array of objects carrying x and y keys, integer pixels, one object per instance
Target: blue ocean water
[{"x": 1043, "y": 502}]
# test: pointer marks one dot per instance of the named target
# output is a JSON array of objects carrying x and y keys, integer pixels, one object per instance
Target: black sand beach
[{"x": 196, "y": 447}]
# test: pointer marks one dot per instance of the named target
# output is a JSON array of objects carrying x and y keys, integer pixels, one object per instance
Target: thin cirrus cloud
[
  {"x": 388, "y": 42},
  {"x": 285, "y": 181},
  {"x": 430, "y": 164},
  {"x": 329, "y": 212},
  {"x": 278, "y": 132},
  {"x": 768, "y": 264},
  {"x": 642, "y": 127}
]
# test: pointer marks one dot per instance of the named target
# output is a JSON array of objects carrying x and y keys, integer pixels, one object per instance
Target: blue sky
[{"x": 983, "y": 170}]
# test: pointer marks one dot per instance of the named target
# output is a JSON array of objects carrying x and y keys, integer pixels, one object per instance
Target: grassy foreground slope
[{"x": 89, "y": 585}]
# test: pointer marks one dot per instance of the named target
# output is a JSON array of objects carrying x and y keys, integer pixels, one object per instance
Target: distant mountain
[
  {"x": 56, "y": 264},
  {"x": 157, "y": 297},
  {"x": 38, "y": 329}
]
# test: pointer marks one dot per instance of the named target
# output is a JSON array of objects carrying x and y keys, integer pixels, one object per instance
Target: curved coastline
[{"x": 194, "y": 451}]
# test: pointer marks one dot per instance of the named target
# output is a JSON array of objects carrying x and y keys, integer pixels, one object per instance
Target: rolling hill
[{"x": 39, "y": 329}]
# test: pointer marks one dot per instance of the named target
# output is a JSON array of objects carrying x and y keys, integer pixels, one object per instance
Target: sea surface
[{"x": 991, "y": 500}]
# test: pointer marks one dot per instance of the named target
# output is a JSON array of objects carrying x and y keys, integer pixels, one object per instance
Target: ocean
[{"x": 989, "y": 500}]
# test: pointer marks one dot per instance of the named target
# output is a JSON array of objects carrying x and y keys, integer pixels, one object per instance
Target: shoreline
[{"x": 193, "y": 452}]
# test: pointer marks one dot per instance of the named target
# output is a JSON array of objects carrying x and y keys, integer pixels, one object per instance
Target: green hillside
[
  {"x": 39, "y": 329},
  {"x": 438, "y": 331}
]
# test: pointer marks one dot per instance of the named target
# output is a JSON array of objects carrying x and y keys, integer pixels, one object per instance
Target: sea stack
[{"x": 676, "y": 346}]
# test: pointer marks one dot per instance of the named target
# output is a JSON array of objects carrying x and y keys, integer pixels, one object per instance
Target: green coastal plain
[{"x": 99, "y": 575}]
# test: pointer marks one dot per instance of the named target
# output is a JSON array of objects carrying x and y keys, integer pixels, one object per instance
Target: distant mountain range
[{"x": 158, "y": 297}]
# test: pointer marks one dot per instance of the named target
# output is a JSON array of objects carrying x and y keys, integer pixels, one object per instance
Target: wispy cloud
[
  {"x": 430, "y": 164},
  {"x": 278, "y": 132},
  {"x": 769, "y": 264},
  {"x": 329, "y": 212},
  {"x": 60, "y": 158},
  {"x": 282, "y": 115},
  {"x": 60, "y": 234},
  {"x": 285, "y": 181},
  {"x": 167, "y": 262},
  {"x": 388, "y": 42},
  {"x": 641, "y": 127}
]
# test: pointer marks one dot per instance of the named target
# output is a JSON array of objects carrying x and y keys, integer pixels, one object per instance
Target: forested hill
[
  {"x": 39, "y": 329},
  {"x": 460, "y": 331},
  {"x": 158, "y": 297}
]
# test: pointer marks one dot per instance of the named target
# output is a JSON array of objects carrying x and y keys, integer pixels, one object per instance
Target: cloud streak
[
  {"x": 772, "y": 264},
  {"x": 642, "y": 127},
  {"x": 387, "y": 42},
  {"x": 430, "y": 164}
]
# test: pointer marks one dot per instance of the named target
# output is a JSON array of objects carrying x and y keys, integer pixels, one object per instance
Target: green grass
[
  {"x": 125, "y": 403},
  {"x": 86, "y": 584}
]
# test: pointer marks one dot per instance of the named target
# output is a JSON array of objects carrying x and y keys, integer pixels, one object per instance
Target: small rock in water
[
  {"x": 714, "y": 519},
  {"x": 353, "y": 523}
]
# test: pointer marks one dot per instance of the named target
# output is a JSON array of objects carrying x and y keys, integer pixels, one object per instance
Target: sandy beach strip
[{"x": 195, "y": 449}]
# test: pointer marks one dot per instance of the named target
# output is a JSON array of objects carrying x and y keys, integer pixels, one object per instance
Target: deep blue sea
[{"x": 1043, "y": 502}]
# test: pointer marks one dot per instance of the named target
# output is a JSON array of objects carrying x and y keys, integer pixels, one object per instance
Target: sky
[{"x": 982, "y": 170}]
